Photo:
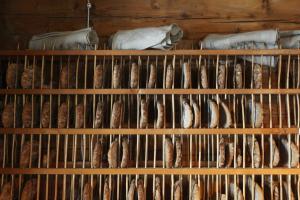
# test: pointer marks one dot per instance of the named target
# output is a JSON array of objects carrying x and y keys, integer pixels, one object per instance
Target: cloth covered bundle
[
  {"x": 266, "y": 39},
  {"x": 84, "y": 39},
  {"x": 163, "y": 37},
  {"x": 290, "y": 39}
]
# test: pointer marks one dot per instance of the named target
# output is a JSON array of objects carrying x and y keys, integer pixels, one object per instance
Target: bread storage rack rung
[{"x": 101, "y": 124}]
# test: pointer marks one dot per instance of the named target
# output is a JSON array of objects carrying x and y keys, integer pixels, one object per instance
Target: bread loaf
[
  {"x": 6, "y": 192},
  {"x": 169, "y": 77},
  {"x": 292, "y": 147},
  {"x": 204, "y": 78},
  {"x": 116, "y": 114},
  {"x": 187, "y": 76},
  {"x": 45, "y": 121},
  {"x": 222, "y": 152},
  {"x": 177, "y": 190},
  {"x": 8, "y": 116},
  {"x": 238, "y": 76},
  {"x": 178, "y": 161},
  {"x": 152, "y": 76},
  {"x": 197, "y": 191},
  {"x": 257, "y": 114},
  {"x": 287, "y": 191},
  {"x": 257, "y": 191},
  {"x": 214, "y": 114},
  {"x": 29, "y": 190},
  {"x": 197, "y": 115},
  {"x": 67, "y": 77},
  {"x": 257, "y": 76},
  {"x": 221, "y": 77},
  {"x": 25, "y": 153},
  {"x": 229, "y": 154},
  {"x": 116, "y": 80},
  {"x": 275, "y": 157},
  {"x": 27, "y": 115},
  {"x": 235, "y": 192},
  {"x": 51, "y": 161},
  {"x": 228, "y": 118},
  {"x": 134, "y": 76},
  {"x": 256, "y": 157},
  {"x": 87, "y": 191},
  {"x": 106, "y": 190},
  {"x": 160, "y": 115},
  {"x": 125, "y": 153},
  {"x": 113, "y": 154},
  {"x": 144, "y": 114},
  {"x": 187, "y": 114},
  {"x": 158, "y": 194},
  {"x": 62, "y": 115},
  {"x": 11, "y": 75},
  {"x": 99, "y": 114},
  {"x": 130, "y": 194},
  {"x": 141, "y": 190},
  {"x": 98, "y": 76},
  {"x": 79, "y": 116},
  {"x": 97, "y": 154},
  {"x": 169, "y": 152},
  {"x": 28, "y": 74}
]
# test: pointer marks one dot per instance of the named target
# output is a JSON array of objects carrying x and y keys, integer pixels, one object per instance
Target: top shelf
[{"x": 148, "y": 52}]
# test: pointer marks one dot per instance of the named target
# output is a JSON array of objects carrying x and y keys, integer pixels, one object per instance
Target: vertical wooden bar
[
  {"x": 57, "y": 142},
  {"x": 173, "y": 117},
  {"x": 22, "y": 137},
  {"x": 218, "y": 136},
  {"x": 94, "y": 114},
  {"x": 289, "y": 123},
  {"x": 40, "y": 136},
  {"x": 50, "y": 126}
]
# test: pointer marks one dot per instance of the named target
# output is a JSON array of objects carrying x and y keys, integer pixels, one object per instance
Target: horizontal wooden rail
[
  {"x": 132, "y": 163},
  {"x": 156, "y": 171},
  {"x": 148, "y": 52},
  {"x": 167, "y": 131},
  {"x": 148, "y": 91}
]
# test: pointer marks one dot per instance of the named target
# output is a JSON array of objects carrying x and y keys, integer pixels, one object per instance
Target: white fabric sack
[
  {"x": 290, "y": 39},
  {"x": 267, "y": 39},
  {"x": 70, "y": 40},
  {"x": 163, "y": 37}
]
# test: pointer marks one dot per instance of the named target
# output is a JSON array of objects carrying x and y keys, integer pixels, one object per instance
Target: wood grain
[
  {"x": 21, "y": 19},
  {"x": 148, "y": 91},
  {"x": 168, "y": 131},
  {"x": 154, "y": 171},
  {"x": 149, "y": 52}
]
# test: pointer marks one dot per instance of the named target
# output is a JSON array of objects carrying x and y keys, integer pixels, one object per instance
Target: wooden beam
[
  {"x": 167, "y": 131},
  {"x": 156, "y": 171},
  {"x": 148, "y": 52},
  {"x": 148, "y": 91}
]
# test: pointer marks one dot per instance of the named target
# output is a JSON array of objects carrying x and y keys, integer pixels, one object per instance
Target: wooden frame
[{"x": 67, "y": 167}]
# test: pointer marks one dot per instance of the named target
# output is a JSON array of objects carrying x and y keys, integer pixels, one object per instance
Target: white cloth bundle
[
  {"x": 163, "y": 37},
  {"x": 290, "y": 39},
  {"x": 267, "y": 39},
  {"x": 70, "y": 40}
]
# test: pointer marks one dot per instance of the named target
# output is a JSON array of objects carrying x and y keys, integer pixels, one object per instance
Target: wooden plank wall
[{"x": 21, "y": 19}]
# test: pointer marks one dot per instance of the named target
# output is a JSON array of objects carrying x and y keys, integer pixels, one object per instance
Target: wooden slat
[
  {"x": 156, "y": 171},
  {"x": 168, "y": 131},
  {"x": 148, "y": 52},
  {"x": 148, "y": 91}
]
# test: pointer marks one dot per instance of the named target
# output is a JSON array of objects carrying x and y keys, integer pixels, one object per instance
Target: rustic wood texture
[
  {"x": 181, "y": 52},
  {"x": 149, "y": 91},
  {"x": 155, "y": 171},
  {"x": 21, "y": 19},
  {"x": 168, "y": 131}
]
